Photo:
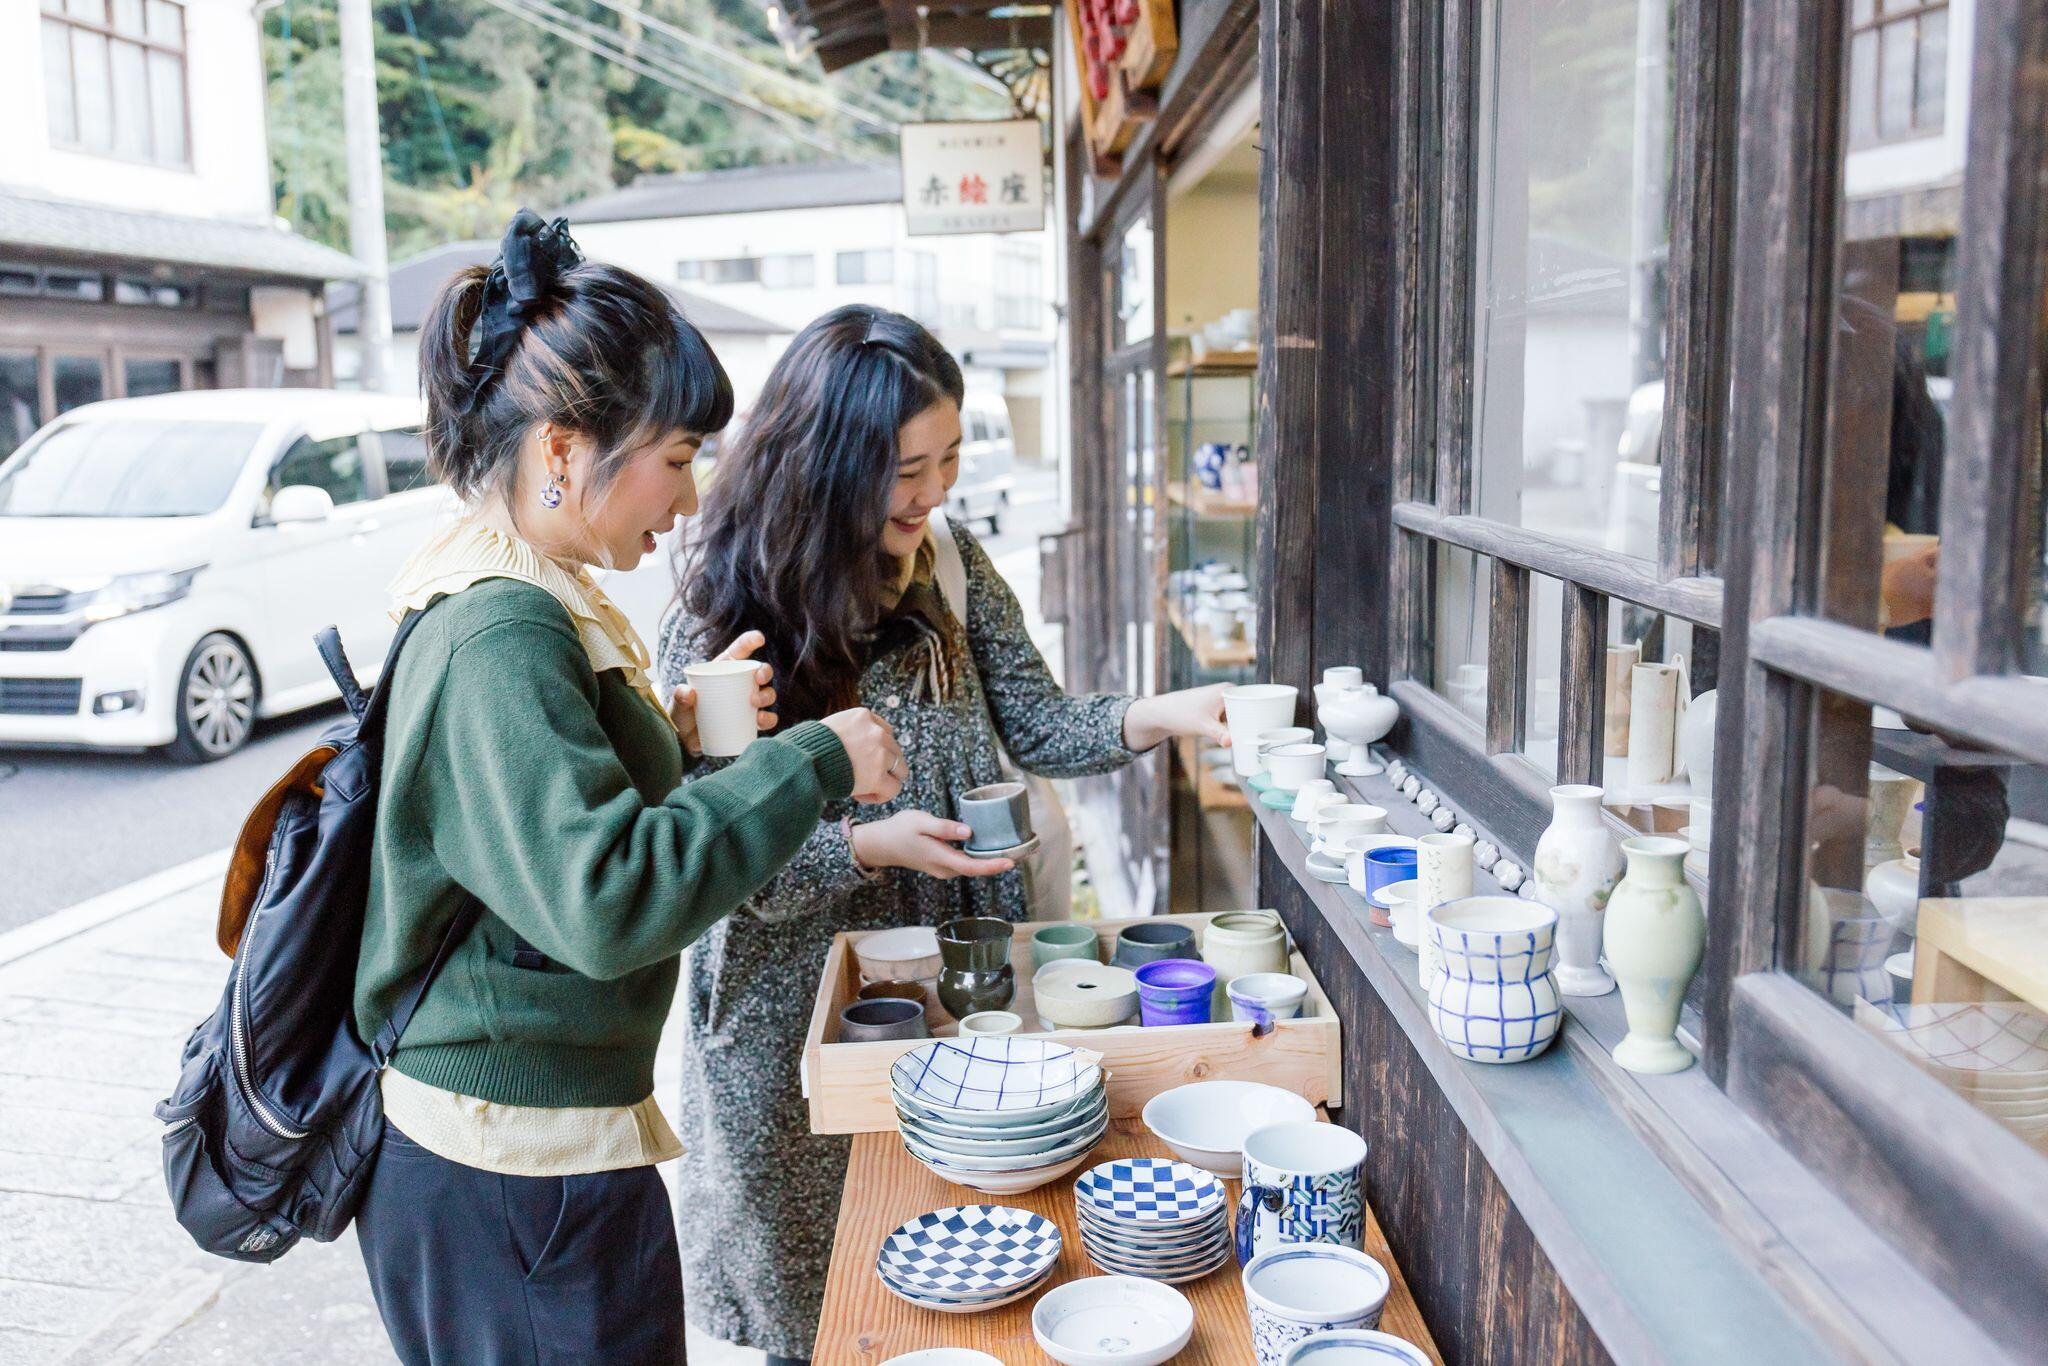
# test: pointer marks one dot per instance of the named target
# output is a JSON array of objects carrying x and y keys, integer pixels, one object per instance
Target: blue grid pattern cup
[{"x": 1496, "y": 998}]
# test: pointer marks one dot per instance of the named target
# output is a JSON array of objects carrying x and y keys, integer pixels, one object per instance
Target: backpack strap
[{"x": 465, "y": 920}]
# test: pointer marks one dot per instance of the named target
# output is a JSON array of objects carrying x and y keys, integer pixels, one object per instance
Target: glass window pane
[
  {"x": 405, "y": 459},
  {"x": 1930, "y": 81},
  {"x": 1463, "y": 600},
  {"x": 1661, "y": 678},
  {"x": 127, "y": 467},
  {"x": 145, "y": 375},
  {"x": 20, "y": 406},
  {"x": 1895, "y": 79},
  {"x": 167, "y": 22},
  {"x": 1863, "y": 88},
  {"x": 1134, "y": 285},
  {"x": 167, "y": 107},
  {"x": 94, "y": 10},
  {"x": 79, "y": 380},
  {"x": 57, "y": 85},
  {"x": 95, "y": 98},
  {"x": 335, "y": 465},
  {"x": 128, "y": 17},
  {"x": 1574, "y": 177},
  {"x": 71, "y": 284},
  {"x": 131, "y": 101},
  {"x": 1925, "y": 915},
  {"x": 1546, "y": 640}
]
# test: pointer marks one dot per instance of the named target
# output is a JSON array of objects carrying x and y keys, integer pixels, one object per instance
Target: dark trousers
[{"x": 471, "y": 1268}]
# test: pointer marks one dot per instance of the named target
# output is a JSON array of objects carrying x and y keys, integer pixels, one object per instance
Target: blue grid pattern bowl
[{"x": 1003, "y": 1079}]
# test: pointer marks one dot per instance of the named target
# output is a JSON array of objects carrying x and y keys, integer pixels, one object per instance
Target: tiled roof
[
  {"x": 748, "y": 189},
  {"x": 417, "y": 279},
  {"x": 33, "y": 222}
]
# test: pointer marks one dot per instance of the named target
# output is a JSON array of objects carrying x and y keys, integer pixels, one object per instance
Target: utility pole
[{"x": 366, "y": 190}]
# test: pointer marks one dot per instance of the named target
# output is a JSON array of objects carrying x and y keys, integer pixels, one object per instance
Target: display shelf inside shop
[
  {"x": 1211, "y": 792},
  {"x": 1590, "y": 1153},
  {"x": 1216, "y": 363},
  {"x": 1210, "y": 653},
  {"x": 1205, "y": 503}
]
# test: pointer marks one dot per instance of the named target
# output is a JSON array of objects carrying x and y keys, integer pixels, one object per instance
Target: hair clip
[{"x": 874, "y": 321}]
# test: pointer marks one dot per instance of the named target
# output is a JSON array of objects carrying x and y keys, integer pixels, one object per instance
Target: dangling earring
[{"x": 551, "y": 496}]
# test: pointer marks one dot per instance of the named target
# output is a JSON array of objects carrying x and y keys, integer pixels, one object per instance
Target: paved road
[{"x": 75, "y": 825}]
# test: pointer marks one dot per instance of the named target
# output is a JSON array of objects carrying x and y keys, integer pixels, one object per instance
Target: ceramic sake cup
[
  {"x": 1283, "y": 735},
  {"x": 1293, "y": 765},
  {"x": 1293, "y": 1292},
  {"x": 1263, "y": 997},
  {"x": 888, "y": 1018},
  {"x": 1175, "y": 991},
  {"x": 1151, "y": 941},
  {"x": 1312, "y": 796},
  {"x": 990, "y": 1024},
  {"x": 999, "y": 814},
  {"x": 1054, "y": 943}
]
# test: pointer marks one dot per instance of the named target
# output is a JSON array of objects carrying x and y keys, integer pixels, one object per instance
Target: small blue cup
[{"x": 1386, "y": 866}]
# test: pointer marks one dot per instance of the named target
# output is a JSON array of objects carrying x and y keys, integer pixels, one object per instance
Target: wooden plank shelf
[
  {"x": 1203, "y": 503},
  {"x": 1216, "y": 364},
  {"x": 1211, "y": 793},
  {"x": 1209, "y": 652},
  {"x": 862, "y": 1323}
]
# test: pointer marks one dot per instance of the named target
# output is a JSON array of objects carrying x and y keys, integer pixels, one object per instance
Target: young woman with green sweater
[{"x": 514, "y": 1214}]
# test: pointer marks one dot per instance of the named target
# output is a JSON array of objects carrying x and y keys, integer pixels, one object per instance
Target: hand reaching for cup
[
  {"x": 682, "y": 703},
  {"x": 1191, "y": 711},
  {"x": 879, "y": 767},
  {"x": 923, "y": 843}
]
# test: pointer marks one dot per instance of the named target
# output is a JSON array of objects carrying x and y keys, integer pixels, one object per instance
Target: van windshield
[{"x": 127, "y": 467}]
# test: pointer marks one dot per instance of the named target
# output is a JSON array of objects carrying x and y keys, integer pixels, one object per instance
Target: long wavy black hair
[{"x": 789, "y": 541}]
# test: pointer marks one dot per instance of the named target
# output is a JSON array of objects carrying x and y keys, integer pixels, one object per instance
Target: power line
[
  {"x": 681, "y": 79},
  {"x": 419, "y": 57},
  {"x": 807, "y": 89}
]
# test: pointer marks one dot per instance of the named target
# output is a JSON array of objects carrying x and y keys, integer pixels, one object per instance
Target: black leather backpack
[{"x": 273, "y": 1129}]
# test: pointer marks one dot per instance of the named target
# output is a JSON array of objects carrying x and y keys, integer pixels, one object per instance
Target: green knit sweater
[{"x": 551, "y": 792}]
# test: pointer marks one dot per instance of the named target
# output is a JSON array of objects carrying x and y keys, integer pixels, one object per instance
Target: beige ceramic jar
[{"x": 1238, "y": 942}]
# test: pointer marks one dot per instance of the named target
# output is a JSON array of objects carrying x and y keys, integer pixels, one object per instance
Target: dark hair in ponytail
[
  {"x": 790, "y": 538},
  {"x": 595, "y": 350}
]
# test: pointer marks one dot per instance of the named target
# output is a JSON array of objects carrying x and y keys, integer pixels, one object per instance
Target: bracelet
[{"x": 846, "y": 829}]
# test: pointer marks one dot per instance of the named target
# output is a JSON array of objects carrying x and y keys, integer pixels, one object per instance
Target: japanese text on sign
[{"x": 973, "y": 177}]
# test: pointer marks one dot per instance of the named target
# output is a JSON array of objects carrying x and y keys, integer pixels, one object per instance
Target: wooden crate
[{"x": 847, "y": 1084}]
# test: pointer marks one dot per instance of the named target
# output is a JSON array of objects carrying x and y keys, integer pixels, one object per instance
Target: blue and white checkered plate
[
  {"x": 968, "y": 1256},
  {"x": 1148, "y": 1192},
  {"x": 993, "y": 1081}
]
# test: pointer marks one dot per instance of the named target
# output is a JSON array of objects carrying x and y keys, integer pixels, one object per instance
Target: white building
[
  {"x": 747, "y": 345},
  {"x": 791, "y": 242},
  {"x": 139, "y": 251}
]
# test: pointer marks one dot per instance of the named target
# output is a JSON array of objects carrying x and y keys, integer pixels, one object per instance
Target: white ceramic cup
[
  {"x": 726, "y": 720},
  {"x": 1285, "y": 735},
  {"x": 1293, "y": 1293},
  {"x": 1357, "y": 847},
  {"x": 1312, "y": 795},
  {"x": 1294, "y": 765},
  {"x": 1250, "y": 710},
  {"x": 1336, "y": 824},
  {"x": 1263, "y": 996},
  {"x": 991, "y": 1024},
  {"x": 1404, "y": 910},
  {"x": 1443, "y": 872}
]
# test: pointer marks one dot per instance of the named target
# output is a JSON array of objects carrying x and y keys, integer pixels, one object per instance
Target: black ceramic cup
[
  {"x": 887, "y": 1018},
  {"x": 1148, "y": 942},
  {"x": 977, "y": 974}
]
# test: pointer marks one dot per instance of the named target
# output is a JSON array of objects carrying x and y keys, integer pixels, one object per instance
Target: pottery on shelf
[
  {"x": 1443, "y": 872},
  {"x": 1084, "y": 994},
  {"x": 1614, "y": 734},
  {"x": 1496, "y": 999},
  {"x": 1317, "y": 792},
  {"x": 1148, "y": 941},
  {"x": 1508, "y": 875},
  {"x": 1890, "y": 802},
  {"x": 1240, "y": 942},
  {"x": 977, "y": 974},
  {"x": 1404, "y": 911},
  {"x": 1250, "y": 709},
  {"x": 1359, "y": 717},
  {"x": 1894, "y": 888},
  {"x": 910, "y": 954},
  {"x": 1054, "y": 943},
  {"x": 1576, "y": 868},
  {"x": 1655, "y": 935},
  {"x": 1696, "y": 742},
  {"x": 1652, "y": 723},
  {"x": 1335, "y": 824},
  {"x": 1263, "y": 997},
  {"x": 1293, "y": 765},
  {"x": 1175, "y": 991},
  {"x": 1846, "y": 947}
]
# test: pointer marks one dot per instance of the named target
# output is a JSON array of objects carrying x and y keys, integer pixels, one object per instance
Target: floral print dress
[{"x": 760, "y": 1192}]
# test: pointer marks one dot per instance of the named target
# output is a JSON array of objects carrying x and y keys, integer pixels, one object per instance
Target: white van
[
  {"x": 988, "y": 459},
  {"x": 165, "y": 561}
]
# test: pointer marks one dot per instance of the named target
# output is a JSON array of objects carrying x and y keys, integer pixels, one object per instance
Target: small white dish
[
  {"x": 1323, "y": 868},
  {"x": 1007, "y": 1183},
  {"x": 991, "y": 1024},
  {"x": 1205, "y": 1122},
  {"x": 1112, "y": 1321},
  {"x": 1015, "y": 851},
  {"x": 945, "y": 1356}
]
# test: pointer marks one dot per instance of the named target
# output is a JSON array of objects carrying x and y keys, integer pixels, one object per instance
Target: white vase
[
  {"x": 1652, "y": 723},
  {"x": 1655, "y": 936},
  {"x": 1696, "y": 742},
  {"x": 1894, "y": 888},
  {"x": 1891, "y": 800},
  {"x": 1358, "y": 716},
  {"x": 1577, "y": 865}
]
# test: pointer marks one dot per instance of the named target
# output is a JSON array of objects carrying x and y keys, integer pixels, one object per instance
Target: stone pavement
[{"x": 93, "y": 1269}]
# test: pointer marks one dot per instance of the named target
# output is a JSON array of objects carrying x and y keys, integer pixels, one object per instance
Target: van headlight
[{"x": 125, "y": 594}]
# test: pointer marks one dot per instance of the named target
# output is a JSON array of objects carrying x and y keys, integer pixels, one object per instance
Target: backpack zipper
[{"x": 238, "y": 1046}]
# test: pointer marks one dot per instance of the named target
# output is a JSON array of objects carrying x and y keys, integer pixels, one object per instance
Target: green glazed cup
[{"x": 1055, "y": 942}]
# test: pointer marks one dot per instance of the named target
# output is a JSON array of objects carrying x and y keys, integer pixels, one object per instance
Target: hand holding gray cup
[{"x": 999, "y": 814}]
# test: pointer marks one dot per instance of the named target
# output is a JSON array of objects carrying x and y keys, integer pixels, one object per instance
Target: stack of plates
[
  {"x": 1152, "y": 1217},
  {"x": 1993, "y": 1054},
  {"x": 967, "y": 1258},
  {"x": 1001, "y": 1115}
]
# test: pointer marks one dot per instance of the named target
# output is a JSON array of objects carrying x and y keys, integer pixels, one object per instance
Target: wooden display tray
[
  {"x": 1217, "y": 363},
  {"x": 862, "y": 1323},
  {"x": 847, "y": 1084},
  {"x": 1206, "y": 503}
]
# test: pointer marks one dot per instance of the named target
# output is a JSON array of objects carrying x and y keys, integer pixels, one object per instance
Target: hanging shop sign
[
  {"x": 1124, "y": 48},
  {"x": 973, "y": 177}
]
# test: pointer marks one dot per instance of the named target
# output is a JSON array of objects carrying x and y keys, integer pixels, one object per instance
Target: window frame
[
  {"x": 107, "y": 30},
  {"x": 1881, "y": 19}
]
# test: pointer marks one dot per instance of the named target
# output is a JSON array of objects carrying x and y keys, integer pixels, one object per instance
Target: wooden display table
[{"x": 864, "y": 1323}]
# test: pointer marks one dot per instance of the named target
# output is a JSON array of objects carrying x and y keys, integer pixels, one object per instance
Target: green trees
[{"x": 489, "y": 104}]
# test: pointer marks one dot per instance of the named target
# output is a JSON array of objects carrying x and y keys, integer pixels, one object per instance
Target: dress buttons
[{"x": 893, "y": 700}]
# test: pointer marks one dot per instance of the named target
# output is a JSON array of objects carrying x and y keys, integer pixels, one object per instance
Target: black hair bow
[{"x": 531, "y": 258}]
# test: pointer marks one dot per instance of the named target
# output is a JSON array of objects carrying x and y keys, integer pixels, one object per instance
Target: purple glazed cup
[{"x": 1175, "y": 991}]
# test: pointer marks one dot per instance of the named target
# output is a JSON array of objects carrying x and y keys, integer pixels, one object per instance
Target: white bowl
[
  {"x": 945, "y": 1356},
  {"x": 1079, "y": 1141},
  {"x": 987, "y": 1126},
  {"x": 1016, "y": 1078},
  {"x": 1355, "y": 1347},
  {"x": 991, "y": 1024},
  {"x": 1112, "y": 1321},
  {"x": 999, "y": 1142},
  {"x": 1205, "y": 1122},
  {"x": 910, "y": 954}
]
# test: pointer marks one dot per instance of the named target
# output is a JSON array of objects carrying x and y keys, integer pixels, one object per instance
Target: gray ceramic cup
[
  {"x": 888, "y": 1018},
  {"x": 999, "y": 814},
  {"x": 1056, "y": 942},
  {"x": 1148, "y": 943}
]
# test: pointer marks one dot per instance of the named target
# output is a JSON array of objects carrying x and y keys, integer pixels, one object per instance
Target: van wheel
[{"x": 216, "y": 701}]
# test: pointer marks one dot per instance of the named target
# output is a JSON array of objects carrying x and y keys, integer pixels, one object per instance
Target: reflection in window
[
  {"x": 1926, "y": 905},
  {"x": 1546, "y": 655},
  {"x": 1898, "y": 69},
  {"x": 335, "y": 465},
  {"x": 78, "y": 380},
  {"x": 1134, "y": 290},
  {"x": 1573, "y": 181},
  {"x": 1463, "y": 608},
  {"x": 19, "y": 402},
  {"x": 1661, "y": 678},
  {"x": 145, "y": 375}
]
